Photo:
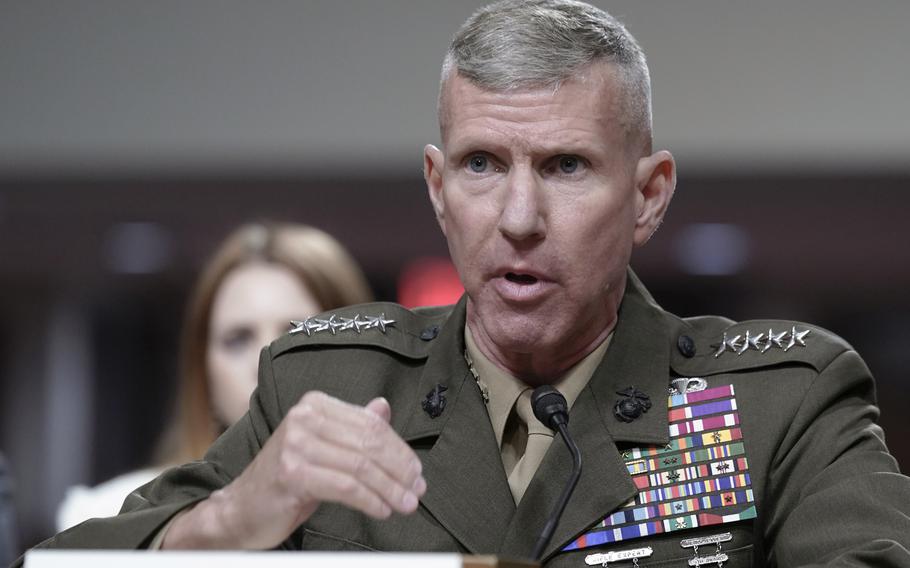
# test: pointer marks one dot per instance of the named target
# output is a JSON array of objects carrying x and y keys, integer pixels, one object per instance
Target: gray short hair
[{"x": 521, "y": 44}]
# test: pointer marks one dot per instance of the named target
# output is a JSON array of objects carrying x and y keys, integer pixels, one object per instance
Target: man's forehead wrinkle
[
  {"x": 566, "y": 120},
  {"x": 525, "y": 128},
  {"x": 457, "y": 87},
  {"x": 546, "y": 135}
]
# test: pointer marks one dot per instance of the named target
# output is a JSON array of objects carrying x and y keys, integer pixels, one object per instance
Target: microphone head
[{"x": 549, "y": 406}]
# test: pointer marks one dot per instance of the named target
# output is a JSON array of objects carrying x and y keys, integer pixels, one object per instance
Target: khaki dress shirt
[{"x": 503, "y": 393}]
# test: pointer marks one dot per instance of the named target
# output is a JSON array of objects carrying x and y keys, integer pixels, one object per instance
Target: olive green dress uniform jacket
[{"x": 825, "y": 488}]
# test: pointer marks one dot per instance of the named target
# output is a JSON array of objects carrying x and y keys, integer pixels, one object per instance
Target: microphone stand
[{"x": 547, "y": 533}]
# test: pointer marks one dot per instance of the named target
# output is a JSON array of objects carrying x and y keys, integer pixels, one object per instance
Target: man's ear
[
  {"x": 655, "y": 182},
  {"x": 433, "y": 163}
]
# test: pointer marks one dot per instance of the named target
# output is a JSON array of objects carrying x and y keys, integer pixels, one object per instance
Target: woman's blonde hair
[{"x": 324, "y": 267}]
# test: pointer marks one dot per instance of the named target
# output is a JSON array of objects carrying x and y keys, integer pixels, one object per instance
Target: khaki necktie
[{"x": 539, "y": 438}]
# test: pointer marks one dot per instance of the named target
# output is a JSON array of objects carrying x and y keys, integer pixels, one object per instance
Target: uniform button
[
  {"x": 686, "y": 346},
  {"x": 429, "y": 333}
]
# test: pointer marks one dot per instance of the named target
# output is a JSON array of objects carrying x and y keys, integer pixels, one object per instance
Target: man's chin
[{"x": 517, "y": 332}]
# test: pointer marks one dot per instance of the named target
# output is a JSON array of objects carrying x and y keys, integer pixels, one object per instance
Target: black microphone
[{"x": 551, "y": 408}]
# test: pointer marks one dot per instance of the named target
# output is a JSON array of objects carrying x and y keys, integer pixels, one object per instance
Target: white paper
[{"x": 222, "y": 559}]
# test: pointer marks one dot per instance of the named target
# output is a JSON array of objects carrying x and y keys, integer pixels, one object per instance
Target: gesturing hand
[{"x": 324, "y": 450}]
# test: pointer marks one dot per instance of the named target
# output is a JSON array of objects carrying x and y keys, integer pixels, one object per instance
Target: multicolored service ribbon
[{"x": 700, "y": 478}]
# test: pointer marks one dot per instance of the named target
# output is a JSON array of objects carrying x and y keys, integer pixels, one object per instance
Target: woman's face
[{"x": 253, "y": 306}]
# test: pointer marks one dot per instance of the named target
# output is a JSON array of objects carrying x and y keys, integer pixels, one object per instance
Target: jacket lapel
[
  {"x": 638, "y": 356},
  {"x": 467, "y": 490}
]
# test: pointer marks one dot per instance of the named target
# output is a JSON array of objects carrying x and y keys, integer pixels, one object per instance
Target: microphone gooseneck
[{"x": 551, "y": 408}]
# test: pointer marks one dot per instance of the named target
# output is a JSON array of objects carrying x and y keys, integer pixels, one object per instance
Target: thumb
[{"x": 380, "y": 406}]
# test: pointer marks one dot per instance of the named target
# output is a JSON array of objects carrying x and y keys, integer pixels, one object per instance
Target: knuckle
[
  {"x": 374, "y": 423},
  {"x": 407, "y": 471},
  {"x": 393, "y": 493},
  {"x": 313, "y": 397},
  {"x": 309, "y": 453},
  {"x": 373, "y": 433},
  {"x": 347, "y": 485},
  {"x": 360, "y": 464},
  {"x": 288, "y": 468},
  {"x": 308, "y": 416},
  {"x": 300, "y": 412},
  {"x": 291, "y": 439},
  {"x": 416, "y": 467}
]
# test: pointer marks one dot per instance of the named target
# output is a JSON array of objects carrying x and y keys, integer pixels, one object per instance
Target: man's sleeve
[
  {"x": 837, "y": 496},
  {"x": 150, "y": 507}
]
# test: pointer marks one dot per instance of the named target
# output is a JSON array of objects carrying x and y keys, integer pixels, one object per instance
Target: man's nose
[{"x": 523, "y": 215}]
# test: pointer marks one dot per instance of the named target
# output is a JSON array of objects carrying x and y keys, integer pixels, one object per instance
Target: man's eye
[
  {"x": 568, "y": 164},
  {"x": 478, "y": 163}
]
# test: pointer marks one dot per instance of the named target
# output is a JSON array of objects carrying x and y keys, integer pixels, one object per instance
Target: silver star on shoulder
[
  {"x": 776, "y": 338},
  {"x": 791, "y": 341},
  {"x": 379, "y": 322},
  {"x": 346, "y": 324},
  {"x": 755, "y": 340},
  {"x": 335, "y": 324},
  {"x": 797, "y": 338},
  {"x": 320, "y": 325},
  {"x": 747, "y": 342},
  {"x": 731, "y": 344},
  {"x": 360, "y": 324}
]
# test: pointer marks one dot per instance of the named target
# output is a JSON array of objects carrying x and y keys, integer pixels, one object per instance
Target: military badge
[
  {"x": 435, "y": 401},
  {"x": 716, "y": 556},
  {"x": 762, "y": 342},
  {"x": 633, "y": 404},
  {"x": 604, "y": 559},
  {"x": 334, "y": 324},
  {"x": 687, "y": 384}
]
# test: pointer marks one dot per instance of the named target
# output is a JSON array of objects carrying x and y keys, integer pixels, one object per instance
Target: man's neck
[{"x": 538, "y": 367}]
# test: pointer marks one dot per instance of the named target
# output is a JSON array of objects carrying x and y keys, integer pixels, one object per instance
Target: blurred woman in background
[{"x": 262, "y": 276}]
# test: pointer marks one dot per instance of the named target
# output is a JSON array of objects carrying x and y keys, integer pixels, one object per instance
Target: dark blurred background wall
[{"x": 135, "y": 135}]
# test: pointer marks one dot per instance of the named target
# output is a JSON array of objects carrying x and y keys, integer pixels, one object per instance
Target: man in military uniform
[{"x": 704, "y": 441}]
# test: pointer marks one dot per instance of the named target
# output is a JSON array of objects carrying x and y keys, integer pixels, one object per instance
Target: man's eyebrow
[
  {"x": 477, "y": 144},
  {"x": 545, "y": 150}
]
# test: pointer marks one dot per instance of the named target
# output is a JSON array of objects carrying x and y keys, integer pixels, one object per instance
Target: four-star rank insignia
[
  {"x": 334, "y": 324},
  {"x": 762, "y": 342}
]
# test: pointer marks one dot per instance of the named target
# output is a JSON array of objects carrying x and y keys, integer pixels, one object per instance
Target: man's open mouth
[{"x": 520, "y": 278}]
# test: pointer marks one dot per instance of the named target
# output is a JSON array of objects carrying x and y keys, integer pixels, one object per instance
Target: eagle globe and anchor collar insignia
[
  {"x": 335, "y": 324},
  {"x": 762, "y": 342}
]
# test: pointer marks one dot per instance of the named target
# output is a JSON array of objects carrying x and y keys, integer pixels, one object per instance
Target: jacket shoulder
[
  {"x": 723, "y": 345},
  {"x": 380, "y": 325}
]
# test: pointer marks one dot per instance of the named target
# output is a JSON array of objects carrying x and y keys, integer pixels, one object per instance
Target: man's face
[{"x": 537, "y": 194}]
